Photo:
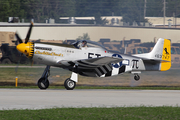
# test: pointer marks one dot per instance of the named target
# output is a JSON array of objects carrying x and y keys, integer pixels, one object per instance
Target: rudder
[{"x": 166, "y": 55}]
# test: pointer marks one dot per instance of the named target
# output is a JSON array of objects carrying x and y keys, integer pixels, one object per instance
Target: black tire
[
  {"x": 69, "y": 84},
  {"x": 136, "y": 77},
  {"x": 42, "y": 84},
  {"x": 6, "y": 61}
]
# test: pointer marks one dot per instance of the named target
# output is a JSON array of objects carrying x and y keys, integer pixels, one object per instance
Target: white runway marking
[{"x": 39, "y": 99}]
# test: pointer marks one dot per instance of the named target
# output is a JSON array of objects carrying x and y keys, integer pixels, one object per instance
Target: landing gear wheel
[
  {"x": 42, "y": 84},
  {"x": 69, "y": 84},
  {"x": 136, "y": 77}
]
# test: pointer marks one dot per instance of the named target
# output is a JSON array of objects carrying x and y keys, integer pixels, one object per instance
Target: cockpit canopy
[{"x": 87, "y": 43}]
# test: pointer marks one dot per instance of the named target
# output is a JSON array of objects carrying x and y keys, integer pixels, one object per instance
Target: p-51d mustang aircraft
[{"x": 91, "y": 59}]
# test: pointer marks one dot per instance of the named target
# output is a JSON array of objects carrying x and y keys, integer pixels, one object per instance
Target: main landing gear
[
  {"x": 136, "y": 77},
  {"x": 69, "y": 84},
  {"x": 43, "y": 82}
]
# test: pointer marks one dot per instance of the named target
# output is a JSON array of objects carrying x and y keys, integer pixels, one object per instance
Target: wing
[{"x": 92, "y": 67}]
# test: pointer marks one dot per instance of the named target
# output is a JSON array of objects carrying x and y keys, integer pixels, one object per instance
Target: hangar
[{"x": 69, "y": 31}]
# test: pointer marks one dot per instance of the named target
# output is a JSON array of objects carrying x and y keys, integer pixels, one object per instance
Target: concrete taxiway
[{"x": 40, "y": 99}]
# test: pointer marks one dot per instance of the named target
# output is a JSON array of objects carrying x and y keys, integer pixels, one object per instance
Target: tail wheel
[
  {"x": 136, "y": 77},
  {"x": 69, "y": 84},
  {"x": 42, "y": 84}
]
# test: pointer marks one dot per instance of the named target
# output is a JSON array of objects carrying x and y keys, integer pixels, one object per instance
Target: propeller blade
[
  {"x": 32, "y": 62},
  {"x": 29, "y": 33},
  {"x": 18, "y": 38},
  {"x": 17, "y": 66},
  {"x": 16, "y": 42}
]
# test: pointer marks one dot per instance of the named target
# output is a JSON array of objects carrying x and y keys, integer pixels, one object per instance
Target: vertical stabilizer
[{"x": 161, "y": 52}]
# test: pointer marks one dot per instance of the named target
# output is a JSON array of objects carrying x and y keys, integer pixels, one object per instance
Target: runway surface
[{"x": 40, "y": 99}]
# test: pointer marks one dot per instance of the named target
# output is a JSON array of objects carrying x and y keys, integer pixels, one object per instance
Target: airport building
[
  {"x": 95, "y": 32},
  {"x": 115, "y": 30},
  {"x": 110, "y": 35}
]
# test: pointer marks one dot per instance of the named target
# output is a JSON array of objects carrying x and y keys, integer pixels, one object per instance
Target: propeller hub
[{"x": 26, "y": 48}]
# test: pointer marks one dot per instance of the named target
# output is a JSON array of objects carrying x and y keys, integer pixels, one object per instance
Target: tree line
[{"x": 41, "y": 10}]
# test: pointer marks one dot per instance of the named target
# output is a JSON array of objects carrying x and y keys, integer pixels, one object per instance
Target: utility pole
[
  {"x": 174, "y": 19},
  {"x": 164, "y": 9},
  {"x": 175, "y": 13},
  {"x": 145, "y": 1}
]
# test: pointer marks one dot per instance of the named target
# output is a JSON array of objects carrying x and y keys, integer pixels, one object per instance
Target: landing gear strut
[
  {"x": 43, "y": 82},
  {"x": 136, "y": 77}
]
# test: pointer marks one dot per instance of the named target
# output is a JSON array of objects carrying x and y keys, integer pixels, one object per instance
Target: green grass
[
  {"x": 131, "y": 113},
  {"x": 15, "y": 65},
  {"x": 30, "y": 76}
]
